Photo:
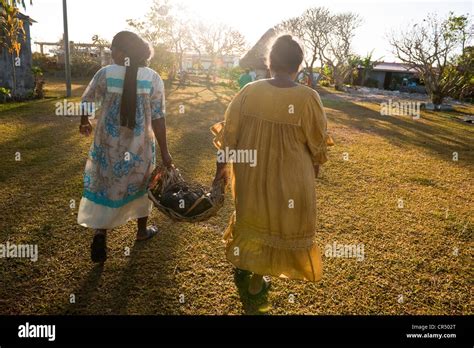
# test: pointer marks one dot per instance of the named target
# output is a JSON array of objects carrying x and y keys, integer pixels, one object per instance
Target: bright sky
[{"x": 251, "y": 17}]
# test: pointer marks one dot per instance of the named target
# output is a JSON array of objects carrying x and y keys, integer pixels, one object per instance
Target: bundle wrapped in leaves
[{"x": 182, "y": 201}]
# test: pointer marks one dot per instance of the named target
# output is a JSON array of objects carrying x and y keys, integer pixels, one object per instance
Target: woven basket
[{"x": 163, "y": 180}]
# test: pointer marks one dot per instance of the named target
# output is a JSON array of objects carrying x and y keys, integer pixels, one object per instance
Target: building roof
[
  {"x": 256, "y": 57},
  {"x": 26, "y": 18},
  {"x": 394, "y": 67}
]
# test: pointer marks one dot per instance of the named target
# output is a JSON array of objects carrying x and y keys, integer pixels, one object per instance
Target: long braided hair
[{"x": 137, "y": 54}]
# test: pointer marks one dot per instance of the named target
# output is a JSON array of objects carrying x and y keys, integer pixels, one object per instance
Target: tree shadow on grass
[
  {"x": 33, "y": 169},
  {"x": 440, "y": 136},
  {"x": 6, "y": 110},
  {"x": 223, "y": 98},
  {"x": 196, "y": 139},
  {"x": 178, "y": 88}
]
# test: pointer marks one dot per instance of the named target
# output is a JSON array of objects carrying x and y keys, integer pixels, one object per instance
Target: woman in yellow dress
[{"x": 281, "y": 127}]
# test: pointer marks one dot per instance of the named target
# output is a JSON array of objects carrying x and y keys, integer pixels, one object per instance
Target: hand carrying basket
[{"x": 167, "y": 184}]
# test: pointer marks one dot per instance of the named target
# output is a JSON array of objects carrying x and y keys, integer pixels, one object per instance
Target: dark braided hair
[
  {"x": 286, "y": 55},
  {"x": 137, "y": 53}
]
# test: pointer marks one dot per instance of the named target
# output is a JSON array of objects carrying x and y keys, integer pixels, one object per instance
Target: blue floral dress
[{"x": 120, "y": 160}]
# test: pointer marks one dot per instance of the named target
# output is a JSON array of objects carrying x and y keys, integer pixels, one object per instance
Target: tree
[
  {"x": 460, "y": 75},
  {"x": 12, "y": 33},
  {"x": 164, "y": 61},
  {"x": 217, "y": 40},
  {"x": 312, "y": 29},
  {"x": 294, "y": 26},
  {"x": 367, "y": 65},
  {"x": 430, "y": 48},
  {"x": 4, "y": 5},
  {"x": 317, "y": 23},
  {"x": 338, "y": 55},
  {"x": 327, "y": 38},
  {"x": 16, "y": 3},
  {"x": 165, "y": 28},
  {"x": 460, "y": 26}
]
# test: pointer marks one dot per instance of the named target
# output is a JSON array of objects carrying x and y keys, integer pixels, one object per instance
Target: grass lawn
[{"x": 417, "y": 259}]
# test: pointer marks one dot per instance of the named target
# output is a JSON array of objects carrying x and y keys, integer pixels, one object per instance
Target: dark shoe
[
  {"x": 241, "y": 274},
  {"x": 150, "y": 233},
  {"x": 99, "y": 249},
  {"x": 267, "y": 282}
]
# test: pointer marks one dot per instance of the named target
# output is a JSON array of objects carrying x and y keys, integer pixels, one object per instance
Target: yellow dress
[{"x": 272, "y": 229}]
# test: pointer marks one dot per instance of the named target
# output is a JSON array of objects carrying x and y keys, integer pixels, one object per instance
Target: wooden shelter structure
[
  {"x": 100, "y": 50},
  {"x": 256, "y": 58}
]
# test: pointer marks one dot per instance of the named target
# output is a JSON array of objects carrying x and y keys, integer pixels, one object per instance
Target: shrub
[
  {"x": 84, "y": 65},
  {"x": 164, "y": 62},
  {"x": 39, "y": 83},
  {"x": 324, "y": 83},
  {"x": 5, "y": 95},
  {"x": 230, "y": 84},
  {"x": 47, "y": 64},
  {"x": 230, "y": 73}
]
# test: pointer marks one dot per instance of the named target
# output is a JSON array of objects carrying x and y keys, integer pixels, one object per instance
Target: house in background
[
  {"x": 194, "y": 62},
  {"x": 25, "y": 81},
  {"x": 391, "y": 76}
]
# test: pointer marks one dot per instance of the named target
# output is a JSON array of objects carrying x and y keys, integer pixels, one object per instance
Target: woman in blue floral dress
[{"x": 131, "y": 112}]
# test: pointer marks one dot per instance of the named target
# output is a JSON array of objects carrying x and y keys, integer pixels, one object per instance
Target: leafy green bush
[
  {"x": 230, "y": 84},
  {"x": 230, "y": 73},
  {"x": 164, "y": 62},
  {"x": 84, "y": 65},
  {"x": 39, "y": 82},
  {"x": 324, "y": 83},
  {"x": 4, "y": 94},
  {"x": 47, "y": 64}
]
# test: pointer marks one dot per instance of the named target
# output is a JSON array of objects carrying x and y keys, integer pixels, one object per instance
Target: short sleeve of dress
[
  {"x": 157, "y": 98},
  {"x": 314, "y": 125},
  {"x": 227, "y": 132},
  {"x": 97, "y": 87},
  {"x": 95, "y": 92}
]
